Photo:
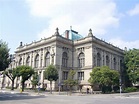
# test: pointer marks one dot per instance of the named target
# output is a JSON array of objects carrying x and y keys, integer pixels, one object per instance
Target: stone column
[
  {"x": 101, "y": 61},
  {"x": 104, "y": 58},
  {"x": 30, "y": 61},
  {"x": 112, "y": 67},
  {"x": 39, "y": 59},
  {"x": 52, "y": 56},
  {"x": 110, "y": 61},
  {"x": 43, "y": 58},
  {"x": 25, "y": 58},
  {"x": 33, "y": 59},
  {"x": 22, "y": 59}
]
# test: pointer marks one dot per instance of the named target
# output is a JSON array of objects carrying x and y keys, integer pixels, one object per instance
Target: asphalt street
[{"x": 25, "y": 98}]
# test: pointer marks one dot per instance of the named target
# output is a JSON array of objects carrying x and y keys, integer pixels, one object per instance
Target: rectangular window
[
  {"x": 64, "y": 62},
  {"x": 65, "y": 75},
  {"x": 80, "y": 75}
]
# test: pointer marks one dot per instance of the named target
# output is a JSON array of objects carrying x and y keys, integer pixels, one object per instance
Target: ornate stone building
[{"x": 67, "y": 51}]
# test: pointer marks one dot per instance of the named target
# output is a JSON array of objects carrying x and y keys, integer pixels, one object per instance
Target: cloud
[
  {"x": 134, "y": 11},
  {"x": 80, "y": 14},
  {"x": 122, "y": 44}
]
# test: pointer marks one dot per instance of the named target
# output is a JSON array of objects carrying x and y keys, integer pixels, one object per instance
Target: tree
[
  {"x": 4, "y": 55},
  {"x": 25, "y": 72},
  {"x": 104, "y": 77},
  {"x": 131, "y": 60},
  {"x": 70, "y": 82},
  {"x": 35, "y": 80},
  {"x": 11, "y": 74},
  {"x": 51, "y": 74}
]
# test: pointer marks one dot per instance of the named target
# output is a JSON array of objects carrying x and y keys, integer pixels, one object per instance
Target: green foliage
[
  {"x": 25, "y": 72},
  {"x": 35, "y": 80},
  {"x": 106, "y": 89},
  {"x": 70, "y": 82},
  {"x": 115, "y": 88},
  {"x": 130, "y": 89},
  {"x": 132, "y": 63},
  {"x": 11, "y": 74},
  {"x": 104, "y": 77},
  {"x": 4, "y": 55},
  {"x": 51, "y": 74}
]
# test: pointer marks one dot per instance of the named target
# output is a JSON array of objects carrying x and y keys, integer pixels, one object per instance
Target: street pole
[
  {"x": 59, "y": 83},
  {"x": 39, "y": 82},
  {"x": 120, "y": 89}
]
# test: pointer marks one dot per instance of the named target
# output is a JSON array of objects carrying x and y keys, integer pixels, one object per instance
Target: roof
[{"x": 73, "y": 35}]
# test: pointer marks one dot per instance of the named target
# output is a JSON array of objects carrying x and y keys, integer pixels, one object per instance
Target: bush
[
  {"x": 106, "y": 89},
  {"x": 116, "y": 88},
  {"x": 130, "y": 89}
]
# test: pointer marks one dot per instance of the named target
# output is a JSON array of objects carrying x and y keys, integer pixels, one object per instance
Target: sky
[{"x": 115, "y": 21}]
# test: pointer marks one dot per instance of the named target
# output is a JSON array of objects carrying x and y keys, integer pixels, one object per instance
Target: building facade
[{"x": 67, "y": 51}]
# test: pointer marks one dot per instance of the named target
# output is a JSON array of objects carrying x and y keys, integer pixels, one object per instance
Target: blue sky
[{"x": 115, "y": 21}]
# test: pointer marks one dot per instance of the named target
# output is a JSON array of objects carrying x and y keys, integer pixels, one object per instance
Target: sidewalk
[
  {"x": 31, "y": 92},
  {"x": 46, "y": 93}
]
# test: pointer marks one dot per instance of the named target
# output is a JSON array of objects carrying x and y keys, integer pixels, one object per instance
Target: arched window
[
  {"x": 98, "y": 59},
  {"x": 28, "y": 61},
  {"x": 81, "y": 60},
  {"x": 37, "y": 61},
  {"x": 47, "y": 59},
  {"x": 114, "y": 63},
  {"x": 107, "y": 60},
  {"x": 20, "y": 62},
  {"x": 64, "y": 59}
]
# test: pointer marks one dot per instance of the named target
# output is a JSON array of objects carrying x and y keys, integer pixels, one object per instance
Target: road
[{"x": 17, "y": 98}]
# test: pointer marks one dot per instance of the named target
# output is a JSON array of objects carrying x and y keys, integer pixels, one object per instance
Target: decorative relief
[
  {"x": 79, "y": 50},
  {"x": 65, "y": 49},
  {"x": 36, "y": 51},
  {"x": 47, "y": 48}
]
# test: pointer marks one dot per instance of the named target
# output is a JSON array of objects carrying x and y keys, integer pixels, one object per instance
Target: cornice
[
  {"x": 58, "y": 39},
  {"x": 36, "y": 44}
]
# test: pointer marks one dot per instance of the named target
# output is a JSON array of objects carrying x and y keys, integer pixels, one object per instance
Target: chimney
[{"x": 67, "y": 34}]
